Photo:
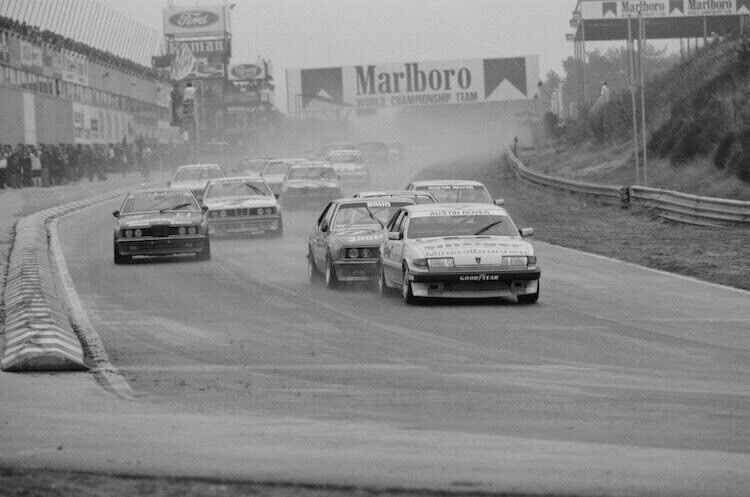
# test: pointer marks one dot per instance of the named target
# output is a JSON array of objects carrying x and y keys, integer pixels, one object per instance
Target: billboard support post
[
  {"x": 631, "y": 81},
  {"x": 642, "y": 70}
]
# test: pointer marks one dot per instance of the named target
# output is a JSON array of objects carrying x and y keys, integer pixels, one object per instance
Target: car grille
[
  {"x": 247, "y": 212},
  {"x": 160, "y": 231}
]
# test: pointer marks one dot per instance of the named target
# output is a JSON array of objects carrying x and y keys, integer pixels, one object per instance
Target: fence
[{"x": 675, "y": 206}]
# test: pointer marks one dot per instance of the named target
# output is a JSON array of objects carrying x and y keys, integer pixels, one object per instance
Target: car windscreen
[
  {"x": 367, "y": 213},
  {"x": 159, "y": 201},
  {"x": 277, "y": 168},
  {"x": 459, "y": 193},
  {"x": 311, "y": 173},
  {"x": 253, "y": 164},
  {"x": 194, "y": 174},
  {"x": 463, "y": 224},
  {"x": 238, "y": 188},
  {"x": 345, "y": 157}
]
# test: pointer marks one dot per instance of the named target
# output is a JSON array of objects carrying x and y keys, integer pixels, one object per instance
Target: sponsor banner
[
  {"x": 198, "y": 59},
  {"x": 609, "y": 9},
  {"x": 248, "y": 72},
  {"x": 70, "y": 69},
  {"x": 377, "y": 86},
  {"x": 4, "y": 48},
  {"x": 198, "y": 20}
]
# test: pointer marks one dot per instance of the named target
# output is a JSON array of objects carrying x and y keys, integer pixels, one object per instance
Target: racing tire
[
  {"x": 312, "y": 271},
  {"x": 383, "y": 288},
  {"x": 330, "y": 274},
  {"x": 119, "y": 258},
  {"x": 406, "y": 292},
  {"x": 530, "y": 298},
  {"x": 205, "y": 255}
]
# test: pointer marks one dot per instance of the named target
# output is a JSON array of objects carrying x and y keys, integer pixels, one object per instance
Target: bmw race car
[
  {"x": 242, "y": 205},
  {"x": 419, "y": 197},
  {"x": 194, "y": 177},
  {"x": 345, "y": 243},
  {"x": 275, "y": 172},
  {"x": 309, "y": 183},
  {"x": 458, "y": 251},
  {"x": 453, "y": 190},
  {"x": 160, "y": 221},
  {"x": 350, "y": 165}
]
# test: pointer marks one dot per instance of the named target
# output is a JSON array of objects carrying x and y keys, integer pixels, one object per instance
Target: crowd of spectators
[
  {"x": 60, "y": 42},
  {"x": 49, "y": 165}
]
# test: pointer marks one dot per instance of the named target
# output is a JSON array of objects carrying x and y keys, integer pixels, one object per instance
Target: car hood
[
  {"x": 466, "y": 249},
  {"x": 196, "y": 184},
  {"x": 154, "y": 218},
  {"x": 240, "y": 202},
  {"x": 362, "y": 236},
  {"x": 312, "y": 183}
]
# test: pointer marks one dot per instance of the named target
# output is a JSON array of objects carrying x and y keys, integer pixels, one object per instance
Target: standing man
[
  {"x": 26, "y": 165},
  {"x": 3, "y": 166},
  {"x": 36, "y": 167}
]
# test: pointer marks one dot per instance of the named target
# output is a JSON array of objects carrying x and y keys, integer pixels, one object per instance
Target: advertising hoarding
[
  {"x": 620, "y": 9},
  {"x": 198, "y": 59},
  {"x": 378, "y": 86},
  {"x": 196, "y": 20},
  {"x": 248, "y": 72}
]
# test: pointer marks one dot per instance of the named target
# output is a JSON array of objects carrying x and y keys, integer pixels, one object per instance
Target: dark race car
[
  {"x": 160, "y": 222},
  {"x": 310, "y": 183},
  {"x": 345, "y": 243}
]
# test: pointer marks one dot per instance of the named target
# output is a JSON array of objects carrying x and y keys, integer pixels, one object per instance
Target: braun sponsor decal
[{"x": 479, "y": 277}]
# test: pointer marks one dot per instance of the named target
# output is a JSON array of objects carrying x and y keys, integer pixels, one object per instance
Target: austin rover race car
[
  {"x": 345, "y": 243},
  {"x": 242, "y": 205},
  {"x": 458, "y": 251},
  {"x": 160, "y": 221},
  {"x": 275, "y": 172},
  {"x": 453, "y": 190},
  {"x": 350, "y": 165},
  {"x": 194, "y": 177},
  {"x": 309, "y": 183},
  {"x": 419, "y": 197}
]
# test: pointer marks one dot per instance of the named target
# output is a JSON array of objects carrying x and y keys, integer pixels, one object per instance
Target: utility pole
[{"x": 631, "y": 81}]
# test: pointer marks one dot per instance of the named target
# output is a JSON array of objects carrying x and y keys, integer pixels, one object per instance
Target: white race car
[
  {"x": 194, "y": 177},
  {"x": 455, "y": 190},
  {"x": 350, "y": 165},
  {"x": 242, "y": 205},
  {"x": 276, "y": 170},
  {"x": 457, "y": 251}
]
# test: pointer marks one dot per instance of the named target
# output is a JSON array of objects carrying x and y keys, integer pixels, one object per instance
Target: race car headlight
[
  {"x": 181, "y": 230},
  {"x": 419, "y": 263},
  {"x": 138, "y": 232},
  {"x": 269, "y": 210},
  {"x": 192, "y": 230},
  {"x": 515, "y": 260},
  {"x": 531, "y": 260},
  {"x": 366, "y": 253},
  {"x": 223, "y": 213},
  {"x": 440, "y": 262},
  {"x": 352, "y": 253},
  {"x": 260, "y": 212},
  {"x": 128, "y": 233}
]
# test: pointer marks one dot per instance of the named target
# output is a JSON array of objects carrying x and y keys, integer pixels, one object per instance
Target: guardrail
[{"x": 675, "y": 206}]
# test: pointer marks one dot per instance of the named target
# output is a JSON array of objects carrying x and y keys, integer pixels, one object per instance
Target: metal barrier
[{"x": 675, "y": 206}]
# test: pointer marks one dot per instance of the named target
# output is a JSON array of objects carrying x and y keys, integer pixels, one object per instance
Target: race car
[
  {"x": 458, "y": 251},
  {"x": 350, "y": 165},
  {"x": 242, "y": 205},
  {"x": 252, "y": 165},
  {"x": 419, "y": 197},
  {"x": 453, "y": 190},
  {"x": 276, "y": 170},
  {"x": 194, "y": 177},
  {"x": 310, "y": 183},
  {"x": 345, "y": 241},
  {"x": 376, "y": 152},
  {"x": 334, "y": 146},
  {"x": 160, "y": 221}
]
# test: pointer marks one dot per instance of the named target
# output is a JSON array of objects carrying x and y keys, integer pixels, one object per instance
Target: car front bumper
[
  {"x": 357, "y": 269},
  {"x": 489, "y": 283},
  {"x": 232, "y": 226},
  {"x": 171, "y": 245}
]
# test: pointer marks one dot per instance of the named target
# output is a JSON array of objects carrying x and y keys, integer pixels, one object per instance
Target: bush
[
  {"x": 739, "y": 164},
  {"x": 724, "y": 151}
]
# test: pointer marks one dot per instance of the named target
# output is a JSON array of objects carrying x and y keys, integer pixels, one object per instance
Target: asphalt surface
[{"x": 620, "y": 380}]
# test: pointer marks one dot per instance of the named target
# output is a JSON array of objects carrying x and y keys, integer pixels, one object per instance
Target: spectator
[
  {"x": 36, "y": 167},
  {"x": 15, "y": 167},
  {"x": 45, "y": 159},
  {"x": 26, "y": 165},
  {"x": 3, "y": 165}
]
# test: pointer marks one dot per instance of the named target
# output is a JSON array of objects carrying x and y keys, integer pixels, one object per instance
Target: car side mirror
[
  {"x": 324, "y": 226},
  {"x": 169, "y": 183},
  {"x": 395, "y": 235},
  {"x": 526, "y": 232},
  {"x": 116, "y": 213},
  {"x": 499, "y": 201},
  {"x": 204, "y": 208},
  {"x": 277, "y": 195}
]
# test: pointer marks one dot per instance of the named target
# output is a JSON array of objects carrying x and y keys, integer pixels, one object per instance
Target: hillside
[{"x": 698, "y": 116}]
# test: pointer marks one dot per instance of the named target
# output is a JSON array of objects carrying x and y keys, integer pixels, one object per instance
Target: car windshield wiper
[
  {"x": 256, "y": 189},
  {"x": 491, "y": 225},
  {"x": 175, "y": 207},
  {"x": 372, "y": 216}
]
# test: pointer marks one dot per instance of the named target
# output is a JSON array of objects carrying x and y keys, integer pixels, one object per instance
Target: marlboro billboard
[{"x": 608, "y": 9}]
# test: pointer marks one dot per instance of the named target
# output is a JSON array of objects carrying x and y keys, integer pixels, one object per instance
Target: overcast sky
[{"x": 322, "y": 33}]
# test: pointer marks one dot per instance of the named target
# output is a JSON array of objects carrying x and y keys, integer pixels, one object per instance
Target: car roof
[
  {"x": 290, "y": 159},
  {"x": 228, "y": 179},
  {"x": 344, "y": 151},
  {"x": 427, "y": 208},
  {"x": 312, "y": 164},
  {"x": 199, "y": 166},
  {"x": 429, "y": 182},
  {"x": 158, "y": 189},
  {"x": 394, "y": 193}
]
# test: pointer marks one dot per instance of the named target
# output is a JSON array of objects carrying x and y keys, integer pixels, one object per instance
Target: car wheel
[
  {"x": 120, "y": 259},
  {"x": 383, "y": 288},
  {"x": 312, "y": 271},
  {"x": 531, "y": 297},
  {"x": 330, "y": 274},
  {"x": 406, "y": 292},
  {"x": 206, "y": 254}
]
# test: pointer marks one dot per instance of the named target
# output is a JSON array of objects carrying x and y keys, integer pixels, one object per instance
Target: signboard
[
  {"x": 247, "y": 72},
  {"x": 196, "y": 20},
  {"x": 4, "y": 48},
  {"x": 620, "y": 9},
  {"x": 198, "y": 59},
  {"x": 379, "y": 86}
]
